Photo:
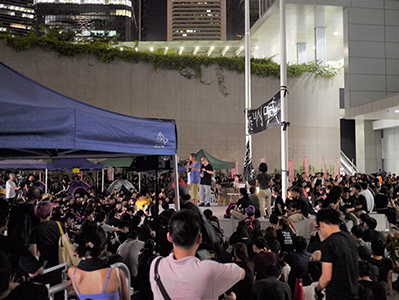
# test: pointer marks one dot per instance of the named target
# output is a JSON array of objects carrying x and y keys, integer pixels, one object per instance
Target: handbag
[{"x": 65, "y": 252}]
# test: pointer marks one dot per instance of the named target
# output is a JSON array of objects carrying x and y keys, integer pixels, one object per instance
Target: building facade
[
  {"x": 90, "y": 17},
  {"x": 196, "y": 20},
  {"x": 16, "y": 16}
]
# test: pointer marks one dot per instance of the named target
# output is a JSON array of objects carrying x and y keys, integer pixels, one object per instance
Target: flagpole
[
  {"x": 248, "y": 138},
  {"x": 283, "y": 94}
]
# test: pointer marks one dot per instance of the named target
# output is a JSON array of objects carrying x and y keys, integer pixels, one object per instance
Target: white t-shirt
[
  {"x": 309, "y": 292},
  {"x": 193, "y": 279},
  {"x": 369, "y": 200},
  {"x": 10, "y": 193}
]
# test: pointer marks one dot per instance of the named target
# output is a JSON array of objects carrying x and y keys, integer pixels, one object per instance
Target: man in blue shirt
[{"x": 193, "y": 166}]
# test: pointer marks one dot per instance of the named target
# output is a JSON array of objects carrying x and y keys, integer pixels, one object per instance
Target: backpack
[{"x": 250, "y": 225}]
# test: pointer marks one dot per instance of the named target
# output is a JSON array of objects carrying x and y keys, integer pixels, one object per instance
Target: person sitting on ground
[
  {"x": 370, "y": 233},
  {"x": 299, "y": 205},
  {"x": 241, "y": 235},
  {"x": 347, "y": 206},
  {"x": 357, "y": 233},
  {"x": 271, "y": 238},
  {"x": 255, "y": 200},
  {"x": 181, "y": 274},
  {"x": 368, "y": 195},
  {"x": 385, "y": 265},
  {"x": 285, "y": 236},
  {"x": 271, "y": 288},
  {"x": 253, "y": 225},
  {"x": 369, "y": 290},
  {"x": 243, "y": 288},
  {"x": 382, "y": 205},
  {"x": 93, "y": 278},
  {"x": 360, "y": 200},
  {"x": 298, "y": 261},
  {"x": 263, "y": 257},
  {"x": 238, "y": 211},
  {"x": 314, "y": 273}
]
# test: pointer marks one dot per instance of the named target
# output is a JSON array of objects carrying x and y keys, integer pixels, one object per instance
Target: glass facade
[
  {"x": 99, "y": 17},
  {"x": 16, "y": 17}
]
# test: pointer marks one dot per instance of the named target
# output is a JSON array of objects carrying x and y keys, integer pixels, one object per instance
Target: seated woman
[
  {"x": 93, "y": 278},
  {"x": 238, "y": 209}
]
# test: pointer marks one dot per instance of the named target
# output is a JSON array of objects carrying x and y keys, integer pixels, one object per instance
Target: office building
[
  {"x": 196, "y": 20},
  {"x": 16, "y": 16},
  {"x": 90, "y": 17}
]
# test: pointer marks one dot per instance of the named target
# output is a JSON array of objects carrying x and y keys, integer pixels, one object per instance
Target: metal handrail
[
  {"x": 125, "y": 270},
  {"x": 347, "y": 164}
]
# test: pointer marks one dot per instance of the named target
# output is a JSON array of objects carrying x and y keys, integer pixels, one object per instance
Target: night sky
[{"x": 155, "y": 16}]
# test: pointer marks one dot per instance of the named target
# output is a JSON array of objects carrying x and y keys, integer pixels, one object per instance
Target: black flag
[
  {"x": 266, "y": 116},
  {"x": 248, "y": 168}
]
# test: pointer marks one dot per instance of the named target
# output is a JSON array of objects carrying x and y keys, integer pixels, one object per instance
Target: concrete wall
[{"x": 205, "y": 118}]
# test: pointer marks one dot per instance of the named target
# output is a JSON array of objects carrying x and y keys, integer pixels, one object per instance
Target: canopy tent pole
[
  {"x": 140, "y": 182},
  {"x": 248, "y": 103},
  {"x": 102, "y": 180},
  {"x": 283, "y": 94},
  {"x": 45, "y": 180},
  {"x": 176, "y": 179}
]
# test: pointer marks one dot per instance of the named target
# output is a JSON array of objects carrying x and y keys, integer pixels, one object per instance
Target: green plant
[{"x": 190, "y": 66}]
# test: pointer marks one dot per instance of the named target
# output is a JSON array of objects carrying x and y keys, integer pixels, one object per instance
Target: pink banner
[
  {"x": 262, "y": 159},
  {"x": 291, "y": 170},
  {"x": 110, "y": 174},
  {"x": 338, "y": 167},
  {"x": 235, "y": 170},
  {"x": 306, "y": 164},
  {"x": 325, "y": 168}
]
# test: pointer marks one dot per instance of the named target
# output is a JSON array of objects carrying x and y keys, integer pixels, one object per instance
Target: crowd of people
[{"x": 185, "y": 255}]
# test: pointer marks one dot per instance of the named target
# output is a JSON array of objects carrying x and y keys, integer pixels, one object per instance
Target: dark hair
[
  {"x": 133, "y": 234},
  {"x": 252, "y": 190},
  {"x": 364, "y": 269},
  {"x": 378, "y": 247},
  {"x": 297, "y": 189},
  {"x": 364, "y": 252},
  {"x": 345, "y": 190},
  {"x": 3, "y": 218},
  {"x": 185, "y": 226},
  {"x": 273, "y": 270},
  {"x": 240, "y": 251},
  {"x": 207, "y": 213},
  {"x": 260, "y": 242},
  {"x": 100, "y": 217},
  {"x": 270, "y": 234},
  {"x": 371, "y": 223},
  {"x": 33, "y": 193},
  {"x": 335, "y": 193},
  {"x": 314, "y": 270},
  {"x": 92, "y": 240},
  {"x": 364, "y": 217},
  {"x": 165, "y": 205},
  {"x": 283, "y": 222},
  {"x": 241, "y": 231},
  {"x": 263, "y": 167},
  {"x": 328, "y": 216},
  {"x": 140, "y": 213},
  {"x": 243, "y": 192},
  {"x": 43, "y": 209},
  {"x": 300, "y": 243},
  {"x": 273, "y": 219},
  {"x": 364, "y": 185},
  {"x": 358, "y": 231},
  {"x": 357, "y": 187}
]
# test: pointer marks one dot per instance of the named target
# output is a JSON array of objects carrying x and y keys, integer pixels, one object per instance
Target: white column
[
  {"x": 301, "y": 53},
  {"x": 320, "y": 44}
]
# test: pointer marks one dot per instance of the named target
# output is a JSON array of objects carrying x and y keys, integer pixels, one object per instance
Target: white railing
[{"x": 347, "y": 166}]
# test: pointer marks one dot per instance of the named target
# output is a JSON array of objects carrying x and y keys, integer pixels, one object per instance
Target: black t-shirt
[
  {"x": 384, "y": 265},
  {"x": 381, "y": 201},
  {"x": 286, "y": 240},
  {"x": 46, "y": 235},
  {"x": 372, "y": 235},
  {"x": 346, "y": 203},
  {"x": 264, "y": 180},
  {"x": 243, "y": 288},
  {"x": 207, "y": 179},
  {"x": 279, "y": 200},
  {"x": 369, "y": 290},
  {"x": 361, "y": 200},
  {"x": 340, "y": 249},
  {"x": 243, "y": 203}
]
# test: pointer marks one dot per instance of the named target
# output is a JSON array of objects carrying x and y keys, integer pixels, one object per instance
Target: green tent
[
  {"x": 217, "y": 164},
  {"x": 123, "y": 162}
]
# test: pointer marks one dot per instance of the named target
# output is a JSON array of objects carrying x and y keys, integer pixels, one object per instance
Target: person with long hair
[
  {"x": 243, "y": 289},
  {"x": 94, "y": 278}
]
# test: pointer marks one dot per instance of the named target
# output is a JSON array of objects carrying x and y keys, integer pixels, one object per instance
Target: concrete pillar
[
  {"x": 301, "y": 53},
  {"x": 320, "y": 44},
  {"x": 368, "y": 147}
]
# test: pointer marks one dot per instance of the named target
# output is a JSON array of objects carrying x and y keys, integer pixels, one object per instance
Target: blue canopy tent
[
  {"x": 37, "y": 122},
  {"x": 22, "y": 164}
]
